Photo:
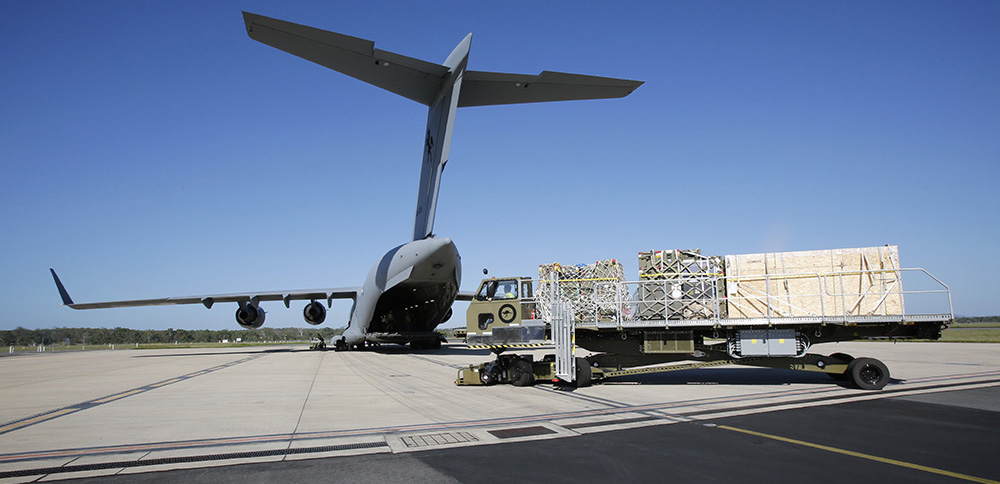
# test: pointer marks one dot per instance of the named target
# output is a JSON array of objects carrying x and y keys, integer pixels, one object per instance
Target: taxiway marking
[
  {"x": 664, "y": 409},
  {"x": 861, "y": 455},
  {"x": 33, "y": 420},
  {"x": 52, "y": 414}
]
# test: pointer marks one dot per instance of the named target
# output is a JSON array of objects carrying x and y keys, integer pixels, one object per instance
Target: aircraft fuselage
[{"x": 407, "y": 293}]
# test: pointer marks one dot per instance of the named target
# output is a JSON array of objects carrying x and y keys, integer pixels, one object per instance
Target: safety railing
[{"x": 829, "y": 297}]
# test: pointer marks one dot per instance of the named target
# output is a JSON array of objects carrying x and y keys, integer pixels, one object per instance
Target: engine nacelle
[
  {"x": 314, "y": 313},
  {"x": 250, "y": 316}
]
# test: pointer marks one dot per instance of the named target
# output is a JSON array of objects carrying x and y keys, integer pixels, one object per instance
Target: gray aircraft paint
[{"x": 419, "y": 279}]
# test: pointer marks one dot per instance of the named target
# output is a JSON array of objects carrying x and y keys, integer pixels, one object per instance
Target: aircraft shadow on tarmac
[
  {"x": 386, "y": 349},
  {"x": 734, "y": 376},
  {"x": 446, "y": 350},
  {"x": 222, "y": 353}
]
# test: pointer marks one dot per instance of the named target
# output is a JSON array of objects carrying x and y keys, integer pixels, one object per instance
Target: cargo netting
[
  {"x": 679, "y": 284},
  {"x": 594, "y": 292}
]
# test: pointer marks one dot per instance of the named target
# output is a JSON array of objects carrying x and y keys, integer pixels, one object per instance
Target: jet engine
[
  {"x": 314, "y": 313},
  {"x": 250, "y": 316}
]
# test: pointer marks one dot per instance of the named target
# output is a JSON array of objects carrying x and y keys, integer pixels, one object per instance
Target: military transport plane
[{"x": 410, "y": 290}]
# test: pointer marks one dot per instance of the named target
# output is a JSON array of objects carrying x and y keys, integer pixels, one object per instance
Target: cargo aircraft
[{"x": 409, "y": 290}]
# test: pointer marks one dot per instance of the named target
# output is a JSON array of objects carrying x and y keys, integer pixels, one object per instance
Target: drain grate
[
  {"x": 192, "y": 458},
  {"x": 521, "y": 432},
  {"x": 439, "y": 439}
]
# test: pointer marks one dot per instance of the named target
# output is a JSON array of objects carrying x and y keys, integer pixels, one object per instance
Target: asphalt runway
[{"x": 258, "y": 415}]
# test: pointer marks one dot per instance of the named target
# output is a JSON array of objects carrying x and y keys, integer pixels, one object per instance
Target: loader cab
[
  {"x": 503, "y": 311},
  {"x": 498, "y": 289},
  {"x": 497, "y": 303}
]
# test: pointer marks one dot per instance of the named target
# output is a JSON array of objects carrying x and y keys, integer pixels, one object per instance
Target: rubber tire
[
  {"x": 583, "y": 373},
  {"x": 485, "y": 379},
  {"x": 868, "y": 373},
  {"x": 520, "y": 374}
]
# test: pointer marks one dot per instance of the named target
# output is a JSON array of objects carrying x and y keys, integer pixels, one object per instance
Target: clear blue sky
[{"x": 152, "y": 149}]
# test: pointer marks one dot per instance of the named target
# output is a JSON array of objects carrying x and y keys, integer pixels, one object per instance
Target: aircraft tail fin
[{"x": 442, "y": 88}]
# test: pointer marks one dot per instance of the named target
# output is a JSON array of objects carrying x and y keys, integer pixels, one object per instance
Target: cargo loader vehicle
[{"x": 690, "y": 311}]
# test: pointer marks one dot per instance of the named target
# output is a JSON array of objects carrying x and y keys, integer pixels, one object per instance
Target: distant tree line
[
  {"x": 978, "y": 319},
  {"x": 104, "y": 336}
]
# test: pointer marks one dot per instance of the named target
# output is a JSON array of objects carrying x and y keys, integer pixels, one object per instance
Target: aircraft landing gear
[{"x": 425, "y": 344}]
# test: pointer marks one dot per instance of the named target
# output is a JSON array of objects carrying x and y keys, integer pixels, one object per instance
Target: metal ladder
[{"x": 564, "y": 337}]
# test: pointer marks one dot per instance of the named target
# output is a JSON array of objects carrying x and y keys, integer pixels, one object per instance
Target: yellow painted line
[
  {"x": 512, "y": 345},
  {"x": 119, "y": 396},
  {"x": 591, "y": 279},
  {"x": 164, "y": 383},
  {"x": 909, "y": 465},
  {"x": 691, "y": 275},
  {"x": 32, "y": 421}
]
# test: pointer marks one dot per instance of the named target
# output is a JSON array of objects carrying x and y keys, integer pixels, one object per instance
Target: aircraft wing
[
  {"x": 411, "y": 78},
  {"x": 209, "y": 300},
  {"x": 488, "y": 88}
]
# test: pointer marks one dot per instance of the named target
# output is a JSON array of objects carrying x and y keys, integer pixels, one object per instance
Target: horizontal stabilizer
[
  {"x": 488, "y": 88},
  {"x": 411, "y": 78}
]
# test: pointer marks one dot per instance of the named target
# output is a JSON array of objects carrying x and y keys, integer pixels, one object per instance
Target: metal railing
[{"x": 696, "y": 299}]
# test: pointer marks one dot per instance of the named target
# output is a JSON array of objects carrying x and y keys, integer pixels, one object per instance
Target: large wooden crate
[{"x": 839, "y": 282}]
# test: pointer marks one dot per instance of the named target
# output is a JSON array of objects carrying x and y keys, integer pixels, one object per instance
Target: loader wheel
[
  {"x": 868, "y": 373},
  {"x": 520, "y": 374},
  {"x": 583, "y": 373},
  {"x": 487, "y": 377}
]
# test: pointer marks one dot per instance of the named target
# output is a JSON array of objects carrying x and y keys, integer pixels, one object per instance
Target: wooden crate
[{"x": 852, "y": 282}]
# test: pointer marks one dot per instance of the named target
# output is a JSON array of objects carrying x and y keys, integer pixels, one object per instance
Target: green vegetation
[
  {"x": 978, "y": 335},
  {"x": 979, "y": 321},
  {"x": 982, "y": 329}
]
